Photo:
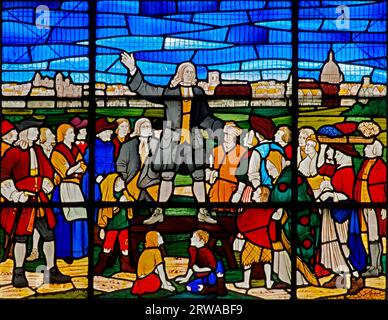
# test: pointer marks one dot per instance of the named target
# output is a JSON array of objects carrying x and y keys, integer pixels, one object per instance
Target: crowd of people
[
  {"x": 227, "y": 164},
  {"x": 40, "y": 164}
]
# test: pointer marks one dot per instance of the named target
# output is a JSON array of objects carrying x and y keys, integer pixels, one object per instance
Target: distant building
[
  {"x": 41, "y": 91},
  {"x": 309, "y": 92},
  {"x": 349, "y": 89},
  {"x": 331, "y": 76},
  {"x": 330, "y": 80},
  {"x": 213, "y": 81},
  {"x": 309, "y": 88},
  {"x": 234, "y": 90},
  {"x": 289, "y": 86},
  {"x": 231, "y": 96},
  {"x": 65, "y": 88},
  {"x": 367, "y": 89},
  {"x": 16, "y": 89},
  {"x": 118, "y": 90},
  {"x": 38, "y": 81},
  {"x": 268, "y": 89},
  {"x": 100, "y": 89}
]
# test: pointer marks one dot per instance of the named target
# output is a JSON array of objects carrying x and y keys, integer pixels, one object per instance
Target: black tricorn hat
[{"x": 28, "y": 123}]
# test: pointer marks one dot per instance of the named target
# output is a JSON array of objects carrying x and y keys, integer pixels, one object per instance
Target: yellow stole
[{"x": 186, "y": 109}]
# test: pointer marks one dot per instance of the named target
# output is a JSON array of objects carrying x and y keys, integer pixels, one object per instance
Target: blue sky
[{"x": 245, "y": 40}]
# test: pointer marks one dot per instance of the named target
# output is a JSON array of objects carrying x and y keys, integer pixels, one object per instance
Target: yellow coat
[{"x": 107, "y": 194}]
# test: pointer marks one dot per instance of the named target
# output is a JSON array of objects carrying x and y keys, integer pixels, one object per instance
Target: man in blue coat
[{"x": 104, "y": 154}]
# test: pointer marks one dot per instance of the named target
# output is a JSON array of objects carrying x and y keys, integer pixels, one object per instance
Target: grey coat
[
  {"x": 128, "y": 163},
  {"x": 200, "y": 118}
]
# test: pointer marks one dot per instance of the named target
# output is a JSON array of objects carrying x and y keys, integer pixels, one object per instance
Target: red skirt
[{"x": 148, "y": 284}]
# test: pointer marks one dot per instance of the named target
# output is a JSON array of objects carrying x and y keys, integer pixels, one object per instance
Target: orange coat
[{"x": 227, "y": 165}]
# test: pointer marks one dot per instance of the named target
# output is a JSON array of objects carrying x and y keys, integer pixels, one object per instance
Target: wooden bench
[{"x": 224, "y": 230}]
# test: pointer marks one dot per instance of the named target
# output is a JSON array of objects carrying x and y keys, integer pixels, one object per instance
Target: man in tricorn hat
[{"x": 27, "y": 176}]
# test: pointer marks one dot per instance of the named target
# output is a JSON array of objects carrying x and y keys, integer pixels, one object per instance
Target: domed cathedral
[{"x": 330, "y": 79}]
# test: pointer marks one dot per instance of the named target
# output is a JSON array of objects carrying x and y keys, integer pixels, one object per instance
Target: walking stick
[{"x": 13, "y": 230}]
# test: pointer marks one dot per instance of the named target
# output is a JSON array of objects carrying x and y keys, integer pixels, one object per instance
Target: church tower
[
  {"x": 331, "y": 73},
  {"x": 330, "y": 80}
]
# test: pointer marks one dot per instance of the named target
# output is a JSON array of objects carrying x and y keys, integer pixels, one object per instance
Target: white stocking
[
  {"x": 165, "y": 190},
  {"x": 199, "y": 191},
  {"x": 35, "y": 239},
  {"x": 20, "y": 254},
  {"x": 49, "y": 252},
  {"x": 268, "y": 275}
]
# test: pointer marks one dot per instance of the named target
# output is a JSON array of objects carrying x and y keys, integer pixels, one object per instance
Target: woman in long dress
[
  {"x": 72, "y": 228},
  {"x": 342, "y": 250},
  {"x": 314, "y": 156},
  {"x": 307, "y": 224}
]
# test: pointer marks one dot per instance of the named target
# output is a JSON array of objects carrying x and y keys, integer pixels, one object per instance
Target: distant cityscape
[{"x": 270, "y": 92}]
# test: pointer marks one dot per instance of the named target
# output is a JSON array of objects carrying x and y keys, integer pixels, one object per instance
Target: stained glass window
[
  {"x": 183, "y": 149},
  {"x": 342, "y": 118}
]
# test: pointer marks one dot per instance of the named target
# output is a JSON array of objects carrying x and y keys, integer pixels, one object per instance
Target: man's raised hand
[{"x": 128, "y": 61}]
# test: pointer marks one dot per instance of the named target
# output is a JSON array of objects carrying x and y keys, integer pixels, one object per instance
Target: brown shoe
[
  {"x": 357, "y": 285},
  {"x": 207, "y": 290},
  {"x": 125, "y": 265},
  {"x": 102, "y": 263},
  {"x": 221, "y": 287},
  {"x": 335, "y": 282}
]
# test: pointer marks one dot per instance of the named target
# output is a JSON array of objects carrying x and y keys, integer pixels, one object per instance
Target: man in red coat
[
  {"x": 26, "y": 176},
  {"x": 371, "y": 187}
]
